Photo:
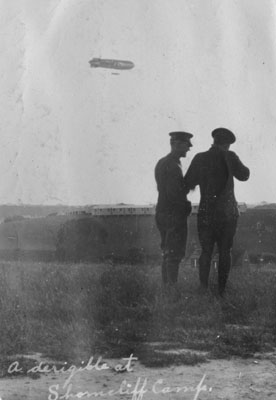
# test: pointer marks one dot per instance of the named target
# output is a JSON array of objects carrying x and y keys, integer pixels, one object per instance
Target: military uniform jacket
[
  {"x": 214, "y": 172},
  {"x": 172, "y": 194}
]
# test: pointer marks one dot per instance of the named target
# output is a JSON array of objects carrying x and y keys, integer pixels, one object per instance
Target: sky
[{"x": 76, "y": 135}]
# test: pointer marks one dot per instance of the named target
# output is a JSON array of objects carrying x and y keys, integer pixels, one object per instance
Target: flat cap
[
  {"x": 181, "y": 136},
  {"x": 223, "y": 136}
]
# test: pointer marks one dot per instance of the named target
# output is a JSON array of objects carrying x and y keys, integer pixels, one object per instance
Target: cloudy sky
[{"x": 73, "y": 134}]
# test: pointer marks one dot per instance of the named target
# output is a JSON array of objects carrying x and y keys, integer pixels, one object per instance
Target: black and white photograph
[{"x": 138, "y": 199}]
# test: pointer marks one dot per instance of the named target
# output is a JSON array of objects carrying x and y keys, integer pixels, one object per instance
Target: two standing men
[{"x": 213, "y": 171}]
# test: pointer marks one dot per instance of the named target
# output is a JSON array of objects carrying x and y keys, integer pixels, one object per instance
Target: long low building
[{"x": 130, "y": 209}]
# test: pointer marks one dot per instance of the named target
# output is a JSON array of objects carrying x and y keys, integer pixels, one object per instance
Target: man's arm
[
  {"x": 176, "y": 192},
  {"x": 238, "y": 169},
  {"x": 191, "y": 178}
]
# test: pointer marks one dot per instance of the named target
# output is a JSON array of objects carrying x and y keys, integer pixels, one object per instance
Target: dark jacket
[
  {"x": 214, "y": 172},
  {"x": 172, "y": 194}
]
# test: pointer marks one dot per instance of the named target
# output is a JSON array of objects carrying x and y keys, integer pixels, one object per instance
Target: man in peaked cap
[
  {"x": 214, "y": 171},
  {"x": 172, "y": 207}
]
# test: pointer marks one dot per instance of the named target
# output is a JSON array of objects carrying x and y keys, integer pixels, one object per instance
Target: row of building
[{"x": 127, "y": 209}]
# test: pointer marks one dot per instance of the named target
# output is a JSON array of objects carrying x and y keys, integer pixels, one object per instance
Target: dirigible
[{"x": 113, "y": 64}]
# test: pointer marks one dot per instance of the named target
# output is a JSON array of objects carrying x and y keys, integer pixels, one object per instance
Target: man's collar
[
  {"x": 174, "y": 156},
  {"x": 217, "y": 147}
]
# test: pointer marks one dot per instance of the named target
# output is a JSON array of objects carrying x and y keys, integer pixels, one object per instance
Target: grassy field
[{"x": 71, "y": 312}]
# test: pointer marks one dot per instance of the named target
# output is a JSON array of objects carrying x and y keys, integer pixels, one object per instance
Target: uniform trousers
[
  {"x": 173, "y": 232},
  {"x": 222, "y": 233}
]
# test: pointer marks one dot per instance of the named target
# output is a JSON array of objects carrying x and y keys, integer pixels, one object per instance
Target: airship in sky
[{"x": 112, "y": 64}]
